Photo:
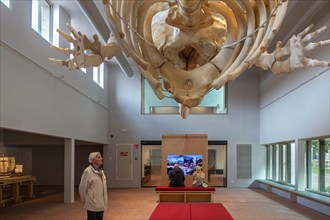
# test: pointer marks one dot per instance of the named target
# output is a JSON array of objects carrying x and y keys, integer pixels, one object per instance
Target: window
[
  {"x": 291, "y": 176},
  {"x": 270, "y": 162},
  {"x": 318, "y": 165},
  {"x": 281, "y": 162},
  {"x": 42, "y": 18},
  {"x": 98, "y": 75},
  {"x": 214, "y": 102},
  {"x": 6, "y": 3}
]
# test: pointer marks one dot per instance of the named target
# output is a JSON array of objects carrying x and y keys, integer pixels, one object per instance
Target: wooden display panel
[
  {"x": 172, "y": 197},
  {"x": 184, "y": 144},
  {"x": 198, "y": 197}
]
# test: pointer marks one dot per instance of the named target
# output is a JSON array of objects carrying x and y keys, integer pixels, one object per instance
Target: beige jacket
[{"x": 93, "y": 190}]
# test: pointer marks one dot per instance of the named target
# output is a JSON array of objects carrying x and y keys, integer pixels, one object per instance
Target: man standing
[{"x": 93, "y": 188}]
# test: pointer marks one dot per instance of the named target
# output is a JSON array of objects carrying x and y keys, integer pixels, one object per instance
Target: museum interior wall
[
  {"x": 59, "y": 110},
  {"x": 39, "y": 97},
  {"x": 297, "y": 105},
  {"x": 33, "y": 101},
  {"x": 36, "y": 102},
  {"x": 235, "y": 127}
]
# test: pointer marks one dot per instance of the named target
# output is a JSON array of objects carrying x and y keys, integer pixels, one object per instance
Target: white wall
[
  {"x": 297, "y": 105},
  {"x": 32, "y": 98},
  {"x": 239, "y": 126}
]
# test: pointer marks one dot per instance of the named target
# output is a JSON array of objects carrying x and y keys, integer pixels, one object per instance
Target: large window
[
  {"x": 98, "y": 75},
  {"x": 6, "y": 3},
  {"x": 214, "y": 102},
  {"x": 318, "y": 165},
  {"x": 42, "y": 18},
  {"x": 281, "y": 162}
]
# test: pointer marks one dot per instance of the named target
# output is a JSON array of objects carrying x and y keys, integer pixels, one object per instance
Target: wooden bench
[{"x": 184, "y": 194}]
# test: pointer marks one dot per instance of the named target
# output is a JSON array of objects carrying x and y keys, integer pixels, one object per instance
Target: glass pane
[
  {"x": 270, "y": 162},
  {"x": 213, "y": 103},
  {"x": 217, "y": 165},
  {"x": 98, "y": 75},
  {"x": 45, "y": 20},
  {"x": 277, "y": 162},
  {"x": 151, "y": 165},
  {"x": 327, "y": 165},
  {"x": 283, "y": 162},
  {"x": 6, "y": 3},
  {"x": 292, "y": 163},
  {"x": 315, "y": 165},
  {"x": 101, "y": 75},
  {"x": 41, "y": 18},
  {"x": 35, "y": 15}
]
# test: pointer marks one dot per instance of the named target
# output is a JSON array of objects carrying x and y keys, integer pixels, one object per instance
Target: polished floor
[{"x": 139, "y": 203}]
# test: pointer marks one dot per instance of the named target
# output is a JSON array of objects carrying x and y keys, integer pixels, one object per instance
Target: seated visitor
[
  {"x": 199, "y": 178},
  {"x": 176, "y": 177}
]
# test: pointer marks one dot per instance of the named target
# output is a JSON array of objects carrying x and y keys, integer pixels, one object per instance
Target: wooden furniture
[
  {"x": 180, "y": 144},
  {"x": 184, "y": 194},
  {"x": 15, "y": 183}
]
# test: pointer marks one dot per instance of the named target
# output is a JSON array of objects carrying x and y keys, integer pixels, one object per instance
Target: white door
[{"x": 124, "y": 162}]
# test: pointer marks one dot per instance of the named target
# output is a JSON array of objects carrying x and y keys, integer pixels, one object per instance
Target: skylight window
[
  {"x": 42, "y": 18},
  {"x": 98, "y": 75},
  {"x": 6, "y": 3}
]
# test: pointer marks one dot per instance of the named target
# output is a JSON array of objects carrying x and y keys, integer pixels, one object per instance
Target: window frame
[
  {"x": 39, "y": 26},
  {"x": 321, "y": 164},
  {"x": 279, "y": 163},
  {"x": 98, "y": 75},
  {"x": 159, "y": 108}
]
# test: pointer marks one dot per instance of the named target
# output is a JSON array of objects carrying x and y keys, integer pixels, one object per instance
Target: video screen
[{"x": 187, "y": 162}]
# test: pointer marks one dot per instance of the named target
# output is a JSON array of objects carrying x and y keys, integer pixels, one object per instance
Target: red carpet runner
[{"x": 190, "y": 211}]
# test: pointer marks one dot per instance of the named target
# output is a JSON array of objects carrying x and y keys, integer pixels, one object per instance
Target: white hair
[{"x": 93, "y": 156}]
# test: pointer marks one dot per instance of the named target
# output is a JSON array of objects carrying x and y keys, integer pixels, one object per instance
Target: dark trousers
[{"x": 94, "y": 215}]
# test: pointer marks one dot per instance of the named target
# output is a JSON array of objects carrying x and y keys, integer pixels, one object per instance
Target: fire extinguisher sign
[{"x": 123, "y": 154}]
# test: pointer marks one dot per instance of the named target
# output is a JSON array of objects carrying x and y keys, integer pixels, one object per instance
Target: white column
[
  {"x": 300, "y": 176},
  {"x": 69, "y": 170},
  {"x": 106, "y": 162}
]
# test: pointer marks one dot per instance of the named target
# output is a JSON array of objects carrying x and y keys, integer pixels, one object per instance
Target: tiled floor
[{"x": 139, "y": 203}]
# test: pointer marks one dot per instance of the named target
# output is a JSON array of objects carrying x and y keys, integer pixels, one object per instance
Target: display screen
[{"x": 187, "y": 162}]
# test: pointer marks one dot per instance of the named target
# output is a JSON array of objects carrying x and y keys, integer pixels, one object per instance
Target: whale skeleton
[{"x": 194, "y": 46}]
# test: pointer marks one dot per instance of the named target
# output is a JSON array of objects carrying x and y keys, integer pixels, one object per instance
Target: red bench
[{"x": 184, "y": 194}]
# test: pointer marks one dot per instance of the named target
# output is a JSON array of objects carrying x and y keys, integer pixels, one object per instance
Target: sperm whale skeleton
[{"x": 194, "y": 46}]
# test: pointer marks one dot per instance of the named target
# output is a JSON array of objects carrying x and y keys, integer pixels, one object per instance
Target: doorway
[
  {"x": 151, "y": 163},
  {"x": 217, "y": 163},
  {"x": 152, "y": 156}
]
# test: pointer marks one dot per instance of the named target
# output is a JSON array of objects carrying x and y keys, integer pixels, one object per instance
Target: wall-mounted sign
[{"x": 123, "y": 154}]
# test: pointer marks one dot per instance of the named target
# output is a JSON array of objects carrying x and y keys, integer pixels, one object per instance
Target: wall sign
[{"x": 123, "y": 154}]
